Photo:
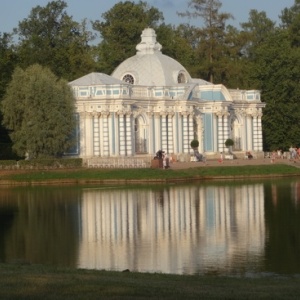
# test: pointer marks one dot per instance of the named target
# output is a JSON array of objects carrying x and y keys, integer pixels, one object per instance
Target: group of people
[
  {"x": 248, "y": 155},
  {"x": 165, "y": 158},
  {"x": 293, "y": 154}
]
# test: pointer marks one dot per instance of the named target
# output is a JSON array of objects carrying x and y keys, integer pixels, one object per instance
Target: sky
[{"x": 13, "y": 11}]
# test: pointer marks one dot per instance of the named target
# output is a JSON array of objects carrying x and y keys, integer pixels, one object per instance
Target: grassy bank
[
  {"x": 41, "y": 282},
  {"x": 102, "y": 175}
]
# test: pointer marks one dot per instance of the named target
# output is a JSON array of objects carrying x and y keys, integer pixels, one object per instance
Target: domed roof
[{"x": 150, "y": 67}]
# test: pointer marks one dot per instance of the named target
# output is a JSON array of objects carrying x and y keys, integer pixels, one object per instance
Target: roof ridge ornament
[{"x": 148, "y": 45}]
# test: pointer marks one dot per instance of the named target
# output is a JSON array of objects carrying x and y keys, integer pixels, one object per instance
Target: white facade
[{"x": 150, "y": 102}]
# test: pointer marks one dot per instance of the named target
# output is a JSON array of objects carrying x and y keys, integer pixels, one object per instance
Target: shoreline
[
  {"x": 187, "y": 171},
  {"x": 20, "y": 281}
]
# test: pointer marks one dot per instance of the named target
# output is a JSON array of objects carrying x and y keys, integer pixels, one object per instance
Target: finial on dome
[{"x": 148, "y": 45}]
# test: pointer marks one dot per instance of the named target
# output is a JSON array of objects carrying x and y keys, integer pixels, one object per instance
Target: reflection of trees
[
  {"x": 283, "y": 225},
  {"x": 7, "y": 214},
  {"x": 46, "y": 227}
]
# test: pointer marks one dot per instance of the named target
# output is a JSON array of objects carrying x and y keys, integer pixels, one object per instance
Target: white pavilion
[{"x": 150, "y": 103}]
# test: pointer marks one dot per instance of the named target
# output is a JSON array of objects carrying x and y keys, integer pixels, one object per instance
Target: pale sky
[{"x": 13, "y": 11}]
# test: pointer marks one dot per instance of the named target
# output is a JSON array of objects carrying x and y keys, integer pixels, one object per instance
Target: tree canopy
[
  {"x": 121, "y": 31},
  {"x": 38, "y": 109},
  {"x": 276, "y": 73},
  {"x": 211, "y": 35},
  {"x": 51, "y": 38}
]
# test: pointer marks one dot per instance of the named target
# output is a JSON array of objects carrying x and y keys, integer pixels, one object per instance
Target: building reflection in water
[{"x": 189, "y": 229}]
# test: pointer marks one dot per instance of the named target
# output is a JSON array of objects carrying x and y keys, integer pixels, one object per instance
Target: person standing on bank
[{"x": 221, "y": 158}]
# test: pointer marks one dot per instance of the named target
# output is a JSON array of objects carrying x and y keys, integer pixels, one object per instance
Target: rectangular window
[{"x": 208, "y": 132}]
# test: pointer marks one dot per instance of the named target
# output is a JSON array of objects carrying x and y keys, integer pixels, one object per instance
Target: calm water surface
[{"x": 243, "y": 229}]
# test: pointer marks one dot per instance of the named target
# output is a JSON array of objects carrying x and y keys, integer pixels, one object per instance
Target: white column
[
  {"x": 122, "y": 134},
  {"x": 226, "y": 128},
  {"x": 200, "y": 133},
  {"x": 89, "y": 134},
  {"x": 151, "y": 134},
  {"x": 185, "y": 133},
  {"x": 157, "y": 134},
  {"x": 82, "y": 136},
  {"x": 105, "y": 134},
  {"x": 164, "y": 142},
  {"x": 96, "y": 136},
  {"x": 191, "y": 131},
  {"x": 255, "y": 133},
  {"x": 129, "y": 140},
  {"x": 259, "y": 132},
  {"x": 249, "y": 133},
  {"x": 170, "y": 134},
  {"x": 220, "y": 132},
  {"x": 177, "y": 129}
]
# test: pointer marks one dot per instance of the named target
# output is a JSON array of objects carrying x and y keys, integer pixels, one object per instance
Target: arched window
[
  {"x": 181, "y": 78},
  {"x": 128, "y": 78},
  {"x": 140, "y": 129}
]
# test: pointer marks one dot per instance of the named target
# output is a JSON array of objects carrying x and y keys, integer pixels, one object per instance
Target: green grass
[
  {"x": 154, "y": 174},
  {"x": 43, "y": 282}
]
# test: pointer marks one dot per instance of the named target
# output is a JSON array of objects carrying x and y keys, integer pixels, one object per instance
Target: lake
[{"x": 242, "y": 228}]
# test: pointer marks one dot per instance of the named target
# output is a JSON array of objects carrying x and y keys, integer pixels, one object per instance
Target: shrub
[
  {"x": 194, "y": 144},
  {"x": 229, "y": 142}
]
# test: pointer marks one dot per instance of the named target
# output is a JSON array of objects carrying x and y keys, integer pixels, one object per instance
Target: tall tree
[
  {"x": 8, "y": 61},
  {"x": 38, "y": 109},
  {"x": 121, "y": 31},
  {"x": 234, "y": 64},
  {"x": 276, "y": 72},
  {"x": 256, "y": 31},
  {"x": 51, "y": 38},
  {"x": 211, "y": 34},
  {"x": 288, "y": 15},
  {"x": 290, "y": 20},
  {"x": 175, "y": 43}
]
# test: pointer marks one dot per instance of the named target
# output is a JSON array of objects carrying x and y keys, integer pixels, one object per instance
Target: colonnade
[
  {"x": 223, "y": 129},
  {"x": 106, "y": 134},
  {"x": 113, "y": 133},
  {"x": 172, "y": 132}
]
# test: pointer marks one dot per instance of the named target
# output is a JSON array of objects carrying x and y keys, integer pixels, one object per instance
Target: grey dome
[{"x": 150, "y": 67}]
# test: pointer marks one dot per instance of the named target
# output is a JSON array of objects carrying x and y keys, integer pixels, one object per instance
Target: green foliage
[
  {"x": 121, "y": 31},
  {"x": 6, "y": 151},
  {"x": 194, "y": 144},
  {"x": 8, "y": 164},
  {"x": 255, "y": 32},
  {"x": 211, "y": 45},
  {"x": 176, "y": 44},
  {"x": 8, "y": 60},
  {"x": 156, "y": 176},
  {"x": 276, "y": 72},
  {"x": 38, "y": 109},
  {"x": 50, "y": 163},
  {"x": 61, "y": 283},
  {"x": 51, "y": 38},
  {"x": 229, "y": 143},
  {"x": 288, "y": 15}
]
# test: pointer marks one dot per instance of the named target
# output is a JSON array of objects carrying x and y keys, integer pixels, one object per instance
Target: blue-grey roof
[{"x": 95, "y": 79}]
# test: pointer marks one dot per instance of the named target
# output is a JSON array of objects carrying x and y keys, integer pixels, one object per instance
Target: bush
[
  {"x": 194, "y": 144},
  {"x": 8, "y": 164},
  {"x": 51, "y": 163},
  {"x": 229, "y": 142}
]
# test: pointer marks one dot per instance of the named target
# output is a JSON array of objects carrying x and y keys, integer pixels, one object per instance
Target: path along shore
[{"x": 233, "y": 162}]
